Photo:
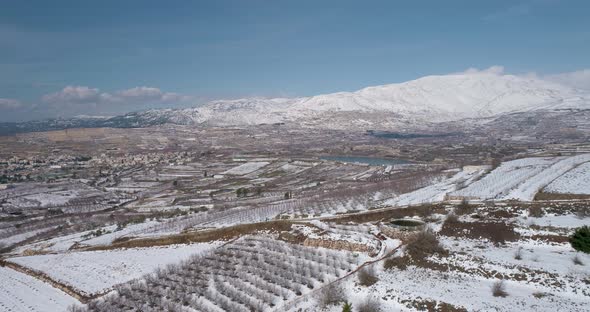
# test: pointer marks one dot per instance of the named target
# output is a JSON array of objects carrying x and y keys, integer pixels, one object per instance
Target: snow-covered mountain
[{"x": 426, "y": 100}]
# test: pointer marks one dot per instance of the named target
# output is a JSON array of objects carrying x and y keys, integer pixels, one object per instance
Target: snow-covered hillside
[
  {"x": 415, "y": 103},
  {"x": 429, "y": 99}
]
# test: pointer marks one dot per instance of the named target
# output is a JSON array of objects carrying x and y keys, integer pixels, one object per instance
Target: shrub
[
  {"x": 464, "y": 207},
  {"x": 577, "y": 260},
  {"x": 396, "y": 262},
  {"x": 347, "y": 307},
  {"x": 580, "y": 240},
  {"x": 370, "y": 304},
  {"x": 452, "y": 218},
  {"x": 536, "y": 212},
  {"x": 499, "y": 290},
  {"x": 331, "y": 295},
  {"x": 424, "y": 244},
  {"x": 367, "y": 276}
]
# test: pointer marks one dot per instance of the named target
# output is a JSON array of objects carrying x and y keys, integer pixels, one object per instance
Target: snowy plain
[{"x": 93, "y": 272}]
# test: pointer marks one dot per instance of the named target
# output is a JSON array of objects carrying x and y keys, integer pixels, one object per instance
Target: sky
[{"x": 64, "y": 58}]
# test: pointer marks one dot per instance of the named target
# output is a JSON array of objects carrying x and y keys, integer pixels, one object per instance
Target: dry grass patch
[
  {"x": 227, "y": 233},
  {"x": 496, "y": 232}
]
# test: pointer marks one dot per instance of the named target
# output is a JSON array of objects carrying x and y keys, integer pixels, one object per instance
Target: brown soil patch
[
  {"x": 390, "y": 213},
  {"x": 556, "y": 196},
  {"x": 227, "y": 233},
  {"x": 496, "y": 232}
]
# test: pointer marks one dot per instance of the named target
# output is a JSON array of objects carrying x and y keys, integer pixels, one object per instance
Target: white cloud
[
  {"x": 578, "y": 79},
  {"x": 141, "y": 92},
  {"x": 9, "y": 104},
  {"x": 81, "y": 95},
  {"x": 76, "y": 100},
  {"x": 73, "y": 95},
  {"x": 151, "y": 94},
  {"x": 494, "y": 70}
]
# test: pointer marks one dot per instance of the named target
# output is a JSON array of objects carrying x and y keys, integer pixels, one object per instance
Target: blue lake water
[{"x": 373, "y": 161}]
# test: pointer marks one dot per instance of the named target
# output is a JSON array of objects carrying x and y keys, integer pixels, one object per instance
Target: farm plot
[
  {"x": 520, "y": 179},
  {"x": 575, "y": 181},
  {"x": 94, "y": 272},
  {"x": 246, "y": 168},
  {"x": 74, "y": 197},
  {"x": 251, "y": 274},
  {"x": 436, "y": 192},
  {"x": 20, "y": 292}
]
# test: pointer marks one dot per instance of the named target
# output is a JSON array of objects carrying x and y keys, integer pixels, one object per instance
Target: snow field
[
  {"x": 22, "y": 293},
  {"x": 521, "y": 179},
  {"x": 92, "y": 272},
  {"x": 246, "y": 168},
  {"x": 435, "y": 192},
  {"x": 575, "y": 181}
]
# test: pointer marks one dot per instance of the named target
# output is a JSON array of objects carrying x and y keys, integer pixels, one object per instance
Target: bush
[
  {"x": 536, "y": 212},
  {"x": 367, "y": 276},
  {"x": 452, "y": 218},
  {"x": 347, "y": 307},
  {"x": 499, "y": 290},
  {"x": 331, "y": 295},
  {"x": 424, "y": 244},
  {"x": 464, "y": 207},
  {"x": 370, "y": 304},
  {"x": 580, "y": 240},
  {"x": 396, "y": 262}
]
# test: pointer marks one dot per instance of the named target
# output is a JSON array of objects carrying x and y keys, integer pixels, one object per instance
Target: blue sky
[{"x": 63, "y": 58}]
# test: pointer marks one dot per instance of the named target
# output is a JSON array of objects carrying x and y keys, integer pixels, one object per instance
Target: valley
[{"x": 280, "y": 218}]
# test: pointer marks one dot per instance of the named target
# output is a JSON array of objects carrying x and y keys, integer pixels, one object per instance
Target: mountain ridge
[{"x": 426, "y": 100}]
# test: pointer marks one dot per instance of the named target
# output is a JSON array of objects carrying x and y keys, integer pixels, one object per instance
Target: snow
[
  {"x": 94, "y": 272},
  {"x": 565, "y": 221},
  {"x": 431, "y": 98},
  {"x": 536, "y": 255},
  {"x": 521, "y": 179},
  {"x": 473, "y": 293},
  {"x": 20, "y": 292},
  {"x": 15, "y": 239},
  {"x": 575, "y": 181},
  {"x": 436, "y": 192},
  {"x": 246, "y": 168},
  {"x": 529, "y": 188}
]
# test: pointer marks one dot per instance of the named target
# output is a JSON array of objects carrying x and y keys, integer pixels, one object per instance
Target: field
[
  {"x": 22, "y": 293},
  {"x": 520, "y": 179},
  {"x": 251, "y": 274},
  {"x": 189, "y": 222},
  {"x": 575, "y": 181},
  {"x": 97, "y": 272}
]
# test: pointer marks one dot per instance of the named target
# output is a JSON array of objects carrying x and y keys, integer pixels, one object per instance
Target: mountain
[{"x": 423, "y": 101}]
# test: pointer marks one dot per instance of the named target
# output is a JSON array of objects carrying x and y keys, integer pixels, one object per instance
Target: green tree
[
  {"x": 347, "y": 307},
  {"x": 580, "y": 240}
]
